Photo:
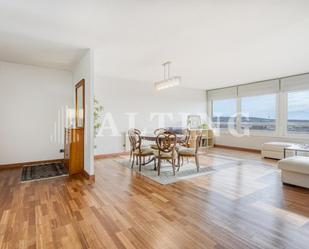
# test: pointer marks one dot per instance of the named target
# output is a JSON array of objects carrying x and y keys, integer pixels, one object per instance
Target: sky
[
  {"x": 224, "y": 108},
  {"x": 298, "y": 107},
  {"x": 264, "y": 106}
]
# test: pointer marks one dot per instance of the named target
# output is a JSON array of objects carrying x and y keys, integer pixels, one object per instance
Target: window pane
[
  {"x": 223, "y": 112},
  {"x": 298, "y": 112},
  {"x": 259, "y": 113}
]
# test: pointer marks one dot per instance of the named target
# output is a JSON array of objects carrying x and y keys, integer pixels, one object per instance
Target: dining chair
[
  {"x": 166, "y": 143},
  {"x": 185, "y": 142},
  {"x": 130, "y": 133},
  {"x": 156, "y": 133},
  {"x": 139, "y": 152},
  {"x": 191, "y": 152},
  {"x": 159, "y": 131}
]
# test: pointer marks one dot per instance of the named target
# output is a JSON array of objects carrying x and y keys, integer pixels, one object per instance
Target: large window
[
  {"x": 278, "y": 107},
  {"x": 259, "y": 113},
  {"x": 298, "y": 112},
  {"x": 223, "y": 113}
]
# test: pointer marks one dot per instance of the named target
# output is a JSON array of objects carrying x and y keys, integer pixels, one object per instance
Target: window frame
[
  {"x": 285, "y": 85},
  {"x": 238, "y": 117},
  {"x": 264, "y": 132},
  {"x": 223, "y": 130},
  {"x": 286, "y": 133}
]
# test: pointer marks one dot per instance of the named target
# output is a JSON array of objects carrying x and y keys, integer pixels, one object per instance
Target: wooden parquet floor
[{"x": 242, "y": 204}]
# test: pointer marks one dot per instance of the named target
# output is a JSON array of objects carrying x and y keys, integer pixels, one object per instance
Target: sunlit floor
[{"x": 241, "y": 204}]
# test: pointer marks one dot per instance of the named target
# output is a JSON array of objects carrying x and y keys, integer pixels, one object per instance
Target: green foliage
[
  {"x": 204, "y": 126},
  {"x": 98, "y": 109}
]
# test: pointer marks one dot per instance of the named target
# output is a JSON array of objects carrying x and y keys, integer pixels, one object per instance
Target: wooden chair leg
[
  {"x": 155, "y": 163},
  {"x": 197, "y": 163},
  {"x": 178, "y": 162},
  {"x": 173, "y": 165},
  {"x": 133, "y": 161},
  {"x": 159, "y": 166},
  {"x": 140, "y": 164}
]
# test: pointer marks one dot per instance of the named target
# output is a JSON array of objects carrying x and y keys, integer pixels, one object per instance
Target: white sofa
[
  {"x": 295, "y": 171},
  {"x": 275, "y": 150}
]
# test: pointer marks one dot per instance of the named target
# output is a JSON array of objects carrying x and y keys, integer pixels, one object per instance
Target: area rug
[
  {"x": 43, "y": 171},
  {"x": 187, "y": 170}
]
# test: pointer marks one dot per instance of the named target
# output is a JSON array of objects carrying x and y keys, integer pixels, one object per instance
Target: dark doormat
[{"x": 43, "y": 171}]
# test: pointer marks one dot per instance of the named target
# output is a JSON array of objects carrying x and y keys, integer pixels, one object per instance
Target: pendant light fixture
[{"x": 168, "y": 81}]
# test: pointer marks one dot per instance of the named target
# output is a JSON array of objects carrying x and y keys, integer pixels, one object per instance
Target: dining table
[{"x": 153, "y": 137}]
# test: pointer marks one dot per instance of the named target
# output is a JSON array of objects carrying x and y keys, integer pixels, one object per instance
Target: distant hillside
[{"x": 255, "y": 120}]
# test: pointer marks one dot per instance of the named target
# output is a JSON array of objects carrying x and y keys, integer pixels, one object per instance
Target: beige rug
[{"x": 187, "y": 170}]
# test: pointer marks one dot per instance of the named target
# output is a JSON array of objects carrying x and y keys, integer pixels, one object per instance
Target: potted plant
[{"x": 97, "y": 113}]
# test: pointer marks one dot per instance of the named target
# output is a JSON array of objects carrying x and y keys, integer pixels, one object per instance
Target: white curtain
[
  {"x": 295, "y": 83},
  {"x": 223, "y": 93},
  {"x": 259, "y": 88}
]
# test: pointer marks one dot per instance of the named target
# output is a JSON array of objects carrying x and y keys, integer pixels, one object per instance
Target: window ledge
[{"x": 294, "y": 136}]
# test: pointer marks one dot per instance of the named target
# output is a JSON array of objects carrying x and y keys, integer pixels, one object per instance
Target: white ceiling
[
  {"x": 38, "y": 52},
  {"x": 211, "y": 43}
]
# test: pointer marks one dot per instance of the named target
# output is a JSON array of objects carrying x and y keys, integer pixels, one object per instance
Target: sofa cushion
[
  {"x": 276, "y": 146},
  {"x": 299, "y": 164}
]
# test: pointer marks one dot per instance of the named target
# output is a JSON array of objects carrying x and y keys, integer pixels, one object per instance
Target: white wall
[
  {"x": 84, "y": 70},
  {"x": 120, "y": 96},
  {"x": 31, "y": 100}
]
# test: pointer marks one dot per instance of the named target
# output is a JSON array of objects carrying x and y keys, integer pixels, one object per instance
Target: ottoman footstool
[
  {"x": 295, "y": 171},
  {"x": 274, "y": 150}
]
